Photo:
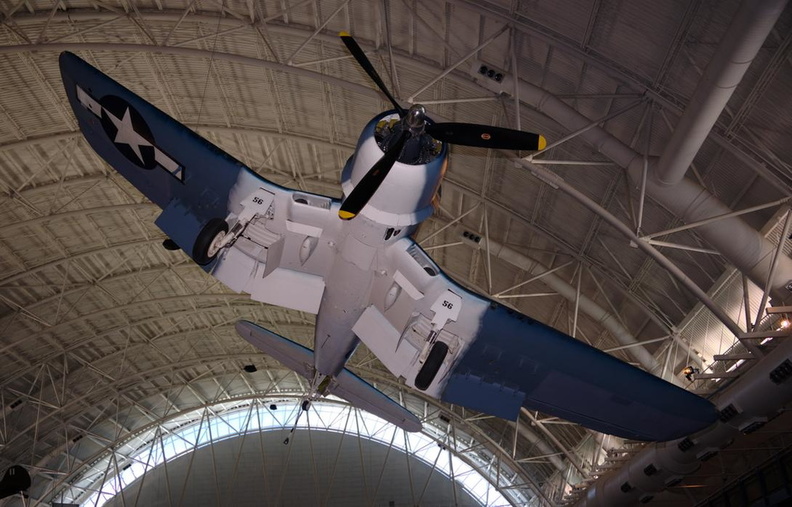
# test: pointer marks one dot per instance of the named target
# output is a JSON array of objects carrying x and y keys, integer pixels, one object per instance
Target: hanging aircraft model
[{"x": 354, "y": 265}]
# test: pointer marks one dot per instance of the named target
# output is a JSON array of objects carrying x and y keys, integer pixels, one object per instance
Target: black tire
[
  {"x": 204, "y": 240},
  {"x": 431, "y": 366}
]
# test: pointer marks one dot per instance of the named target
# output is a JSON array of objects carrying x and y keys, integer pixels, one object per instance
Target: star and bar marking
[{"x": 127, "y": 135}]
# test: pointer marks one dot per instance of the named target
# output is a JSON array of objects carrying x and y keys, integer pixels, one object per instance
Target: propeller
[
  {"x": 364, "y": 63},
  {"x": 369, "y": 184},
  {"x": 484, "y": 136},
  {"x": 414, "y": 122}
]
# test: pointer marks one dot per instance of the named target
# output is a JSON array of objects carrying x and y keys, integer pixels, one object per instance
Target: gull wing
[
  {"x": 467, "y": 350},
  {"x": 276, "y": 256}
]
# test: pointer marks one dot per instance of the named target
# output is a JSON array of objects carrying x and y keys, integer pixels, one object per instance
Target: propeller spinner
[{"x": 414, "y": 123}]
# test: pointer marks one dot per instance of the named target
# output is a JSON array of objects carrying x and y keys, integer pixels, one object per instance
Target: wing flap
[
  {"x": 474, "y": 392},
  {"x": 346, "y": 384}
]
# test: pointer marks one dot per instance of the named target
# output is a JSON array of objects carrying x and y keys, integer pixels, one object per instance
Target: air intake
[
  {"x": 650, "y": 470},
  {"x": 728, "y": 413},
  {"x": 782, "y": 372},
  {"x": 685, "y": 445}
]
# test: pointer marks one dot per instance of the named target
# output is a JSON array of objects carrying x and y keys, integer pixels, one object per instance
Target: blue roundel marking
[{"x": 129, "y": 132}]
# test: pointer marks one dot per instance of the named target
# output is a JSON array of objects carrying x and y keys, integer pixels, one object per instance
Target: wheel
[
  {"x": 431, "y": 366},
  {"x": 206, "y": 244}
]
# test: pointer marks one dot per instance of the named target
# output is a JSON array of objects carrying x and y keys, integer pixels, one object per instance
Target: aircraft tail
[{"x": 346, "y": 384}]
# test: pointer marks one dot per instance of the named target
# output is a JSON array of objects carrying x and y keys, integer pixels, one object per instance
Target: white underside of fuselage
[{"x": 296, "y": 253}]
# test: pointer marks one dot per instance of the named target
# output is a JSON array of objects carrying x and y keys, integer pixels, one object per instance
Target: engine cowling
[{"x": 406, "y": 196}]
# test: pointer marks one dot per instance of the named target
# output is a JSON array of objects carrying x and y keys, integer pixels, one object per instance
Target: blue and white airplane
[{"x": 354, "y": 264}]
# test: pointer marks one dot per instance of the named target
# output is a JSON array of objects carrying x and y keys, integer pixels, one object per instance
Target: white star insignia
[{"x": 126, "y": 133}]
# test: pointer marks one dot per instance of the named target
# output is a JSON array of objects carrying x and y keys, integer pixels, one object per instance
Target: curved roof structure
[
  {"x": 650, "y": 227},
  {"x": 338, "y": 455}
]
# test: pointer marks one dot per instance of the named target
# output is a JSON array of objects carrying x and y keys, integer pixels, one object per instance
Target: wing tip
[
  {"x": 244, "y": 326},
  {"x": 346, "y": 215},
  {"x": 542, "y": 143},
  {"x": 344, "y": 34},
  {"x": 66, "y": 58}
]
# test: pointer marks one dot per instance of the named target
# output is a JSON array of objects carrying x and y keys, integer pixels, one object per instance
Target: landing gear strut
[
  {"x": 318, "y": 387},
  {"x": 306, "y": 404}
]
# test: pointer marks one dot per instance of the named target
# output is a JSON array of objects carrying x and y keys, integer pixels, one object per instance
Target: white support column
[{"x": 739, "y": 46}]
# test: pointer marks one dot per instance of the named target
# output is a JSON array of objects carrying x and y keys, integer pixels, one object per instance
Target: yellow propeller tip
[
  {"x": 345, "y": 215},
  {"x": 542, "y": 143},
  {"x": 344, "y": 34}
]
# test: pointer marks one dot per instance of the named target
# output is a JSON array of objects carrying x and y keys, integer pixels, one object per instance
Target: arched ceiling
[{"x": 102, "y": 327}]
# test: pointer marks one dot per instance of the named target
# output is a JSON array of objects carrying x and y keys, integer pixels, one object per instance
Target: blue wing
[
  {"x": 184, "y": 174},
  {"x": 516, "y": 358},
  {"x": 469, "y": 351},
  {"x": 273, "y": 249}
]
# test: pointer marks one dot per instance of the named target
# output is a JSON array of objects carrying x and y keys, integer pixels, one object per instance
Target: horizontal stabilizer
[
  {"x": 366, "y": 397},
  {"x": 291, "y": 354},
  {"x": 346, "y": 385}
]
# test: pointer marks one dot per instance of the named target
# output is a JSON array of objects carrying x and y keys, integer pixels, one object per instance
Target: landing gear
[
  {"x": 208, "y": 242},
  {"x": 306, "y": 404},
  {"x": 432, "y": 365},
  {"x": 319, "y": 385}
]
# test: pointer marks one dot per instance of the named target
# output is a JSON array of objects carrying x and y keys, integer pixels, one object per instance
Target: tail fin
[{"x": 346, "y": 384}]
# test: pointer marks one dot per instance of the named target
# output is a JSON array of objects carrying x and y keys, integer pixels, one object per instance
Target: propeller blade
[
  {"x": 369, "y": 184},
  {"x": 471, "y": 134},
  {"x": 364, "y": 62}
]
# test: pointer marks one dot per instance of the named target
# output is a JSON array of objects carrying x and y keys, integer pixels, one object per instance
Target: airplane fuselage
[
  {"x": 349, "y": 253},
  {"x": 405, "y": 199}
]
